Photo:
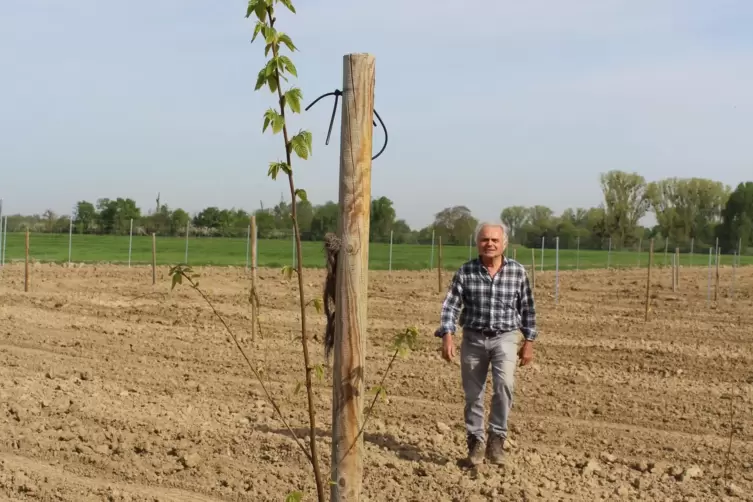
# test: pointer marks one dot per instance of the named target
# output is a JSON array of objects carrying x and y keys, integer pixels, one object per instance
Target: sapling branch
[
  {"x": 272, "y": 76},
  {"x": 403, "y": 343},
  {"x": 179, "y": 273}
]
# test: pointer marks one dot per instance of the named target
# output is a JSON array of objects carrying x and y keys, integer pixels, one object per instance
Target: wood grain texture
[
  {"x": 352, "y": 276},
  {"x": 253, "y": 278}
]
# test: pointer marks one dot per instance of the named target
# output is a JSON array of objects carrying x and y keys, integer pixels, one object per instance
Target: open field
[
  {"x": 112, "y": 389},
  {"x": 277, "y": 253}
]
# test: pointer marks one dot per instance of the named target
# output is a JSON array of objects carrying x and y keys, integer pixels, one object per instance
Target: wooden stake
[
  {"x": 716, "y": 285},
  {"x": 439, "y": 265},
  {"x": 677, "y": 268},
  {"x": 253, "y": 278},
  {"x": 154, "y": 259},
  {"x": 648, "y": 278},
  {"x": 26, "y": 269},
  {"x": 533, "y": 269},
  {"x": 356, "y": 134},
  {"x": 674, "y": 273}
]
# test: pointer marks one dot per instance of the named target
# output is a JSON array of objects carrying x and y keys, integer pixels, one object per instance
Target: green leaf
[
  {"x": 267, "y": 76},
  {"x": 270, "y": 35},
  {"x": 261, "y": 10},
  {"x": 293, "y": 99},
  {"x": 319, "y": 372},
  {"x": 284, "y": 39},
  {"x": 271, "y": 117},
  {"x": 318, "y": 305},
  {"x": 251, "y": 7},
  {"x": 287, "y": 65},
  {"x": 406, "y": 341},
  {"x": 379, "y": 391},
  {"x": 301, "y": 193},
  {"x": 294, "y": 497},
  {"x": 287, "y": 271},
  {"x": 259, "y": 28},
  {"x": 270, "y": 67},
  {"x": 276, "y": 167},
  {"x": 301, "y": 144},
  {"x": 261, "y": 80},
  {"x": 288, "y": 4},
  {"x": 177, "y": 279}
]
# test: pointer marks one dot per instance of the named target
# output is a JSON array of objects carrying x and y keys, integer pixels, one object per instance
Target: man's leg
[
  {"x": 504, "y": 357},
  {"x": 474, "y": 365}
]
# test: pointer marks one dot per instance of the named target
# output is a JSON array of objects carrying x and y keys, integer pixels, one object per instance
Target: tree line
[{"x": 686, "y": 210}]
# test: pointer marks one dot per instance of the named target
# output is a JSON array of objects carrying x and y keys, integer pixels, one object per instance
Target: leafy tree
[
  {"x": 514, "y": 217},
  {"x": 115, "y": 215},
  {"x": 625, "y": 202},
  {"x": 382, "y": 219},
  {"x": 208, "y": 218},
  {"x": 85, "y": 217},
  {"x": 687, "y": 208},
  {"x": 178, "y": 221},
  {"x": 265, "y": 223},
  {"x": 402, "y": 233},
  {"x": 324, "y": 220},
  {"x": 305, "y": 216},
  {"x": 455, "y": 225},
  {"x": 737, "y": 219}
]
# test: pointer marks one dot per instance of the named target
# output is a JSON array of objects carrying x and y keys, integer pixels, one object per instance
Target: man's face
[{"x": 491, "y": 242}]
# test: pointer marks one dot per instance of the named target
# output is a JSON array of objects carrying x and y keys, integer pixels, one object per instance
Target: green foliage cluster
[{"x": 684, "y": 208}]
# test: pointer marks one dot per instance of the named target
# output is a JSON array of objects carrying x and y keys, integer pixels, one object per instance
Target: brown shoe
[
  {"x": 475, "y": 450},
  {"x": 495, "y": 450}
]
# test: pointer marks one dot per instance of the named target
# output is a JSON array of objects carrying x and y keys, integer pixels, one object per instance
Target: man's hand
[
  {"x": 525, "y": 354},
  {"x": 448, "y": 347}
]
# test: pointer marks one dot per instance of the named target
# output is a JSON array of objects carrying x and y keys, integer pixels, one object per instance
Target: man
[{"x": 497, "y": 302}]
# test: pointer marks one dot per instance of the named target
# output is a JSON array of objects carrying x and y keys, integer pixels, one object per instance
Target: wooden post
[
  {"x": 674, "y": 273},
  {"x": 677, "y": 268},
  {"x": 253, "y": 278},
  {"x": 356, "y": 134},
  {"x": 716, "y": 284},
  {"x": 648, "y": 278},
  {"x": 515, "y": 254},
  {"x": 154, "y": 259},
  {"x": 533, "y": 269},
  {"x": 26, "y": 269},
  {"x": 439, "y": 265}
]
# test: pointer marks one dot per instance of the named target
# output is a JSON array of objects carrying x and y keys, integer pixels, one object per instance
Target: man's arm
[
  {"x": 527, "y": 310},
  {"x": 451, "y": 307}
]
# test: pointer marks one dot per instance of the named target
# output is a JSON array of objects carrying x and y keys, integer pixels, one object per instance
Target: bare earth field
[{"x": 112, "y": 389}]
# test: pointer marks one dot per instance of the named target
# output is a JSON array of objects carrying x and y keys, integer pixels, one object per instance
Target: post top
[{"x": 359, "y": 55}]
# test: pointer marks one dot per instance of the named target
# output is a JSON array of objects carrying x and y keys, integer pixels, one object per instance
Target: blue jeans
[{"x": 477, "y": 351}]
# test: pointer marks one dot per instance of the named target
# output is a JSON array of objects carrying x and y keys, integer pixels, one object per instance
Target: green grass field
[{"x": 277, "y": 253}]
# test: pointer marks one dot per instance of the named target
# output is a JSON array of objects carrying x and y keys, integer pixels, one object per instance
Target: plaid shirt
[{"x": 499, "y": 304}]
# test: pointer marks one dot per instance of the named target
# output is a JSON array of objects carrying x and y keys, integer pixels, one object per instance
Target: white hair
[{"x": 497, "y": 224}]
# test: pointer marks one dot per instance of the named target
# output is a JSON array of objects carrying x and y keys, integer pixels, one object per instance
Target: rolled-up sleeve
[
  {"x": 527, "y": 310},
  {"x": 451, "y": 306}
]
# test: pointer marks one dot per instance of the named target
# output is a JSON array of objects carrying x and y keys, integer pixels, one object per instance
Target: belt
[{"x": 487, "y": 332}]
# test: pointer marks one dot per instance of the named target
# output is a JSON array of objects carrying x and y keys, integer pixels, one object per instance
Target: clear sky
[{"x": 488, "y": 103}]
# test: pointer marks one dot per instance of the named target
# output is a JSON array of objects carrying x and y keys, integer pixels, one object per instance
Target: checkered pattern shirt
[{"x": 498, "y": 304}]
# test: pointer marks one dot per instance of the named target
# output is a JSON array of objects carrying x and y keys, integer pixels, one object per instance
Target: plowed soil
[{"x": 114, "y": 389}]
